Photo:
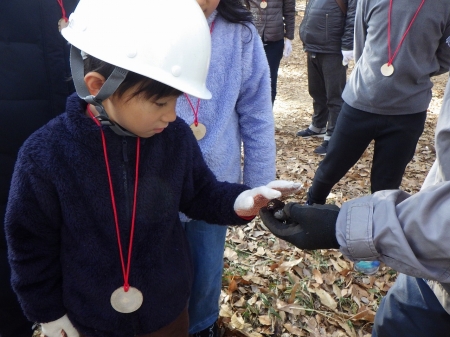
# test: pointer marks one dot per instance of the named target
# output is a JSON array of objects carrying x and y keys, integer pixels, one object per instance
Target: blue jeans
[
  {"x": 207, "y": 244},
  {"x": 410, "y": 308}
]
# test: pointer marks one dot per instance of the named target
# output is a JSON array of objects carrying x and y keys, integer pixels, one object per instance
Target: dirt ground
[{"x": 274, "y": 289}]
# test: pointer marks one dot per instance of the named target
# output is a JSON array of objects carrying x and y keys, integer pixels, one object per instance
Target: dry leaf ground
[{"x": 271, "y": 288}]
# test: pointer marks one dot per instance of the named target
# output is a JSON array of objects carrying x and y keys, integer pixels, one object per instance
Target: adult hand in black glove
[{"x": 305, "y": 226}]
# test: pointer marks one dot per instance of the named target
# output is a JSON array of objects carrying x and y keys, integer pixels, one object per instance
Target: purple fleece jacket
[{"x": 60, "y": 227}]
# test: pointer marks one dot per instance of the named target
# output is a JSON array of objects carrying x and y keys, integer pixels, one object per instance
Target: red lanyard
[
  {"x": 60, "y": 2},
  {"x": 195, "y": 110},
  {"x": 391, "y": 58},
  {"x": 125, "y": 269}
]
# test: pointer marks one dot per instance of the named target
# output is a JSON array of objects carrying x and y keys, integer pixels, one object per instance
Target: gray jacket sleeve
[
  {"x": 360, "y": 29},
  {"x": 443, "y": 52},
  {"x": 411, "y": 234},
  {"x": 348, "y": 37},
  {"x": 289, "y": 18}
]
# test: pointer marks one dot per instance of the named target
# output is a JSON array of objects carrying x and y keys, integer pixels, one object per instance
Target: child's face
[
  {"x": 208, "y": 6},
  {"x": 142, "y": 117}
]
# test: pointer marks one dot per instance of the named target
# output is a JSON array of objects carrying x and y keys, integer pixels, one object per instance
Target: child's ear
[{"x": 94, "y": 81}]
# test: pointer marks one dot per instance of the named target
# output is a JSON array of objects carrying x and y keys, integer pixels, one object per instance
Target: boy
[{"x": 95, "y": 242}]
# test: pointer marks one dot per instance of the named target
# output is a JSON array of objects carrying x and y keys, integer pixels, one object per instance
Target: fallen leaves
[
  {"x": 325, "y": 298},
  {"x": 295, "y": 292}
]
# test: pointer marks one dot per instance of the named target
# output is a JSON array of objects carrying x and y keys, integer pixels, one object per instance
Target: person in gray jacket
[
  {"x": 397, "y": 50},
  {"x": 410, "y": 233},
  {"x": 327, "y": 35},
  {"x": 388, "y": 92},
  {"x": 275, "y": 22}
]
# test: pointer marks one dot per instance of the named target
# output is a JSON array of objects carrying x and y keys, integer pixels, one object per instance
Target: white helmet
[{"x": 165, "y": 40}]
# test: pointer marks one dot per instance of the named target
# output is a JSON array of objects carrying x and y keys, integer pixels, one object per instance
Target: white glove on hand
[
  {"x": 249, "y": 202},
  {"x": 347, "y": 56},
  {"x": 55, "y": 328},
  {"x": 287, "y": 48}
]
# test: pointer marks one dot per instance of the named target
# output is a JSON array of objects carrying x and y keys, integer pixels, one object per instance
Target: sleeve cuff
[{"x": 356, "y": 231}]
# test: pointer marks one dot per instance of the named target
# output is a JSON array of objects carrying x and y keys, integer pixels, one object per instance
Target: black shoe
[
  {"x": 211, "y": 331},
  {"x": 322, "y": 149},
  {"x": 307, "y": 133}
]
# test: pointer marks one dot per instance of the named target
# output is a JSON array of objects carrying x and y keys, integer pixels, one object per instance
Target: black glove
[{"x": 305, "y": 226}]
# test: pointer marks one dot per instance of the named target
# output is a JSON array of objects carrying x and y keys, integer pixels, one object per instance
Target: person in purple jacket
[
  {"x": 237, "y": 119},
  {"x": 95, "y": 242}
]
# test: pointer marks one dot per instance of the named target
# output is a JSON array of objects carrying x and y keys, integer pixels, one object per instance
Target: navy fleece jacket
[{"x": 60, "y": 227}]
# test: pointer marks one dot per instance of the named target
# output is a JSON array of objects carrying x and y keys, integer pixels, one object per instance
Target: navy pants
[
  {"x": 395, "y": 136},
  {"x": 274, "y": 53},
  {"x": 410, "y": 309},
  {"x": 326, "y": 81}
]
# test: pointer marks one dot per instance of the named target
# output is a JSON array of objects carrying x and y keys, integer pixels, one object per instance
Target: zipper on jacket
[{"x": 326, "y": 27}]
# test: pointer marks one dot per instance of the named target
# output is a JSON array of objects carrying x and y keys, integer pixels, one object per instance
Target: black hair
[
  {"x": 146, "y": 87},
  {"x": 234, "y": 11}
]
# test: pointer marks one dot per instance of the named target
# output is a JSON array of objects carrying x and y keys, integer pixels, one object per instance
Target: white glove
[
  {"x": 55, "y": 328},
  {"x": 287, "y": 48},
  {"x": 347, "y": 56},
  {"x": 249, "y": 202}
]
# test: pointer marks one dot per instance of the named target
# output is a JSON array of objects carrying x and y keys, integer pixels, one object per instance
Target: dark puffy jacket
[
  {"x": 325, "y": 28},
  {"x": 33, "y": 77},
  {"x": 276, "y": 21}
]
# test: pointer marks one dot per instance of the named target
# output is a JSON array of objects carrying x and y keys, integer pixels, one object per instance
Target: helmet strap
[{"x": 108, "y": 88}]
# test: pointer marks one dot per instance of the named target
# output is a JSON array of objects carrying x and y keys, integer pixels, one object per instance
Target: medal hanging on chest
[
  {"x": 64, "y": 21},
  {"x": 199, "y": 129},
  {"x": 387, "y": 69},
  {"x": 263, "y": 4},
  {"x": 124, "y": 299}
]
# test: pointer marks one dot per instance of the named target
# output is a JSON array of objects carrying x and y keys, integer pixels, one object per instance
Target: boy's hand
[
  {"x": 249, "y": 202},
  {"x": 58, "y": 327},
  {"x": 306, "y": 226}
]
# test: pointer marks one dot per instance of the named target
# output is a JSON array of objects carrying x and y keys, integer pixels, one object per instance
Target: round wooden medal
[
  {"x": 62, "y": 23},
  {"x": 199, "y": 130},
  {"x": 126, "y": 302},
  {"x": 263, "y": 4},
  {"x": 387, "y": 70}
]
